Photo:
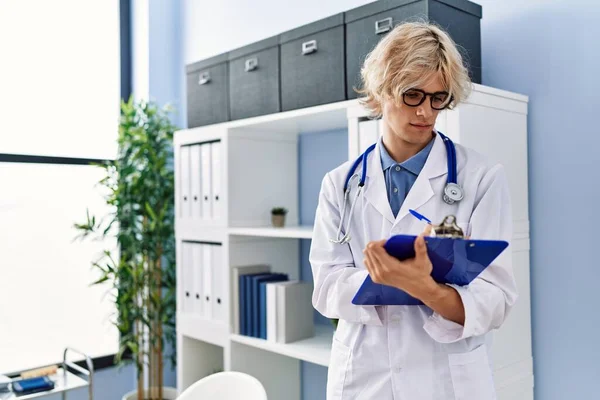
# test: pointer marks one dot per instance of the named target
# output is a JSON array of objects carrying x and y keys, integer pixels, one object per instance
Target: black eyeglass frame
[{"x": 431, "y": 96}]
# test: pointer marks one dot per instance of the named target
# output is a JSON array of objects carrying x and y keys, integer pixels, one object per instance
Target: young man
[{"x": 438, "y": 350}]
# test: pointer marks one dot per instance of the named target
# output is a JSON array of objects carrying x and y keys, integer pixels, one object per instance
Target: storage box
[
  {"x": 254, "y": 79},
  {"x": 312, "y": 64},
  {"x": 207, "y": 91},
  {"x": 366, "y": 25}
]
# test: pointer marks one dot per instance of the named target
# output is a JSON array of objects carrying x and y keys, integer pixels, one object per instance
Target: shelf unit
[{"x": 259, "y": 169}]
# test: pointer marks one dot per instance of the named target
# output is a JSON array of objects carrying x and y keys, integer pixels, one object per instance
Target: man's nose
[{"x": 425, "y": 110}]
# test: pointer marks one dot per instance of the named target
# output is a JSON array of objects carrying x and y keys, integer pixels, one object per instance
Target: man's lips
[{"x": 420, "y": 125}]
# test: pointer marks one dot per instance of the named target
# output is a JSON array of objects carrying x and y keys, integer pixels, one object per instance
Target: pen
[{"x": 419, "y": 216}]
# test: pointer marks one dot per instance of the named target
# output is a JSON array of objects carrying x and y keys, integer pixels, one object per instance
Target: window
[{"x": 60, "y": 100}]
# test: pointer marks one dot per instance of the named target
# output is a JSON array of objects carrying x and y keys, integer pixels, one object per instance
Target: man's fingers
[
  {"x": 420, "y": 247},
  {"x": 427, "y": 230}
]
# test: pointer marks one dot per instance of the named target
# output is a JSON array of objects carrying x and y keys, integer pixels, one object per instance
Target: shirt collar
[{"x": 414, "y": 164}]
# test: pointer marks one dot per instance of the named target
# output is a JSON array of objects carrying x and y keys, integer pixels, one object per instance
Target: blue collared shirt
[{"x": 399, "y": 177}]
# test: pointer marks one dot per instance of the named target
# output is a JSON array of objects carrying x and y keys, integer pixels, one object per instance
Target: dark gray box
[
  {"x": 207, "y": 91},
  {"x": 312, "y": 64},
  {"x": 254, "y": 79},
  {"x": 366, "y": 25}
]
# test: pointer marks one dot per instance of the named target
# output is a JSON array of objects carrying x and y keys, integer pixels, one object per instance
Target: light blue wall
[
  {"x": 166, "y": 57},
  {"x": 318, "y": 153},
  {"x": 165, "y": 71},
  {"x": 548, "y": 50}
]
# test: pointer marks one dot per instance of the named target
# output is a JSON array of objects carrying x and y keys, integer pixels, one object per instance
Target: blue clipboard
[{"x": 456, "y": 261}]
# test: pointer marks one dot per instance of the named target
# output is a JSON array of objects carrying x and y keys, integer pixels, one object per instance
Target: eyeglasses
[{"x": 416, "y": 97}]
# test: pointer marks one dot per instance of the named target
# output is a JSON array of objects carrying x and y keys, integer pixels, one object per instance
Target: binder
[
  {"x": 455, "y": 261},
  {"x": 196, "y": 278},
  {"x": 195, "y": 181},
  {"x": 184, "y": 183},
  {"x": 207, "y": 268},
  {"x": 206, "y": 181},
  {"x": 368, "y": 133},
  {"x": 187, "y": 269},
  {"x": 216, "y": 181},
  {"x": 218, "y": 284}
]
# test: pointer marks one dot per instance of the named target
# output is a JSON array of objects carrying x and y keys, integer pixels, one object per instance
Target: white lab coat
[{"x": 410, "y": 352}]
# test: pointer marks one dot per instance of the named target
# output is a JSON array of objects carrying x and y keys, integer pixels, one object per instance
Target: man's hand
[{"x": 412, "y": 276}]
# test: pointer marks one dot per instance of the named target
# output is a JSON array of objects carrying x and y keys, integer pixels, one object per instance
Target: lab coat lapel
[
  {"x": 375, "y": 190},
  {"x": 421, "y": 191}
]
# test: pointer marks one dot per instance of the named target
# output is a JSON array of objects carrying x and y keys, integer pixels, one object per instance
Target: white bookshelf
[{"x": 259, "y": 170}]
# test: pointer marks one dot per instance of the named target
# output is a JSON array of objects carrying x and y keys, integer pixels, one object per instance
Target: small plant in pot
[{"x": 278, "y": 216}]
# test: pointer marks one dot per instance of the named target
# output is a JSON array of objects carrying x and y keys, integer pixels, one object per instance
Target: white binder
[
  {"x": 187, "y": 284},
  {"x": 184, "y": 183},
  {"x": 219, "y": 302},
  {"x": 206, "y": 181},
  {"x": 207, "y": 279},
  {"x": 368, "y": 133},
  {"x": 198, "y": 279},
  {"x": 216, "y": 181},
  {"x": 195, "y": 178}
]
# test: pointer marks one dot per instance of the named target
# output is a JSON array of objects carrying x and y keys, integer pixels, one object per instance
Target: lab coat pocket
[
  {"x": 338, "y": 366},
  {"x": 471, "y": 375}
]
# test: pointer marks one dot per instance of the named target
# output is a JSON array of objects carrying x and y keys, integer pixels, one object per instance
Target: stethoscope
[{"x": 453, "y": 192}]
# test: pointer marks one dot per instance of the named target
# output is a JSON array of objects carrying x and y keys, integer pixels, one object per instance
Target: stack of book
[{"x": 270, "y": 306}]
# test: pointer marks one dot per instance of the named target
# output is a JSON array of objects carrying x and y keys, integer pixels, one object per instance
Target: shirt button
[
  {"x": 397, "y": 369},
  {"x": 398, "y": 168},
  {"x": 395, "y": 190}
]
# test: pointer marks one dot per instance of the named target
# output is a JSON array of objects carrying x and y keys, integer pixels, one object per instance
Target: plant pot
[
  {"x": 278, "y": 220},
  {"x": 169, "y": 393}
]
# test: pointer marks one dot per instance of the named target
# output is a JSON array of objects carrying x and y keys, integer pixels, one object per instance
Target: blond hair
[{"x": 407, "y": 57}]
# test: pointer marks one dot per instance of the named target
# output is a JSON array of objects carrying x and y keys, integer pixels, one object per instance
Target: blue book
[
  {"x": 245, "y": 305},
  {"x": 248, "y": 302},
  {"x": 262, "y": 306},
  {"x": 242, "y": 301},
  {"x": 256, "y": 280}
]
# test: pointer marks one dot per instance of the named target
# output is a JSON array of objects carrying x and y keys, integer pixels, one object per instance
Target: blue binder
[{"x": 456, "y": 261}]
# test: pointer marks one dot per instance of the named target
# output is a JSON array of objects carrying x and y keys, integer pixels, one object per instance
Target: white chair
[{"x": 228, "y": 385}]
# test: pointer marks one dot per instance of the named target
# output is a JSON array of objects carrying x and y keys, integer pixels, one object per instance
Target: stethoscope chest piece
[{"x": 453, "y": 193}]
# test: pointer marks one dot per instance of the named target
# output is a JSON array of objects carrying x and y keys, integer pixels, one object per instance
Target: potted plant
[
  {"x": 278, "y": 216},
  {"x": 140, "y": 190}
]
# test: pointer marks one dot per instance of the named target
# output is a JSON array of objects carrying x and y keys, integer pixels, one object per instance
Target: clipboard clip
[{"x": 448, "y": 228}]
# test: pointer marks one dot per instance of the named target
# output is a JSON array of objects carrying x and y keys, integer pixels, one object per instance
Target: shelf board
[
  {"x": 63, "y": 383},
  {"x": 199, "y": 328},
  {"x": 316, "y": 350},
  {"x": 294, "y": 232}
]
